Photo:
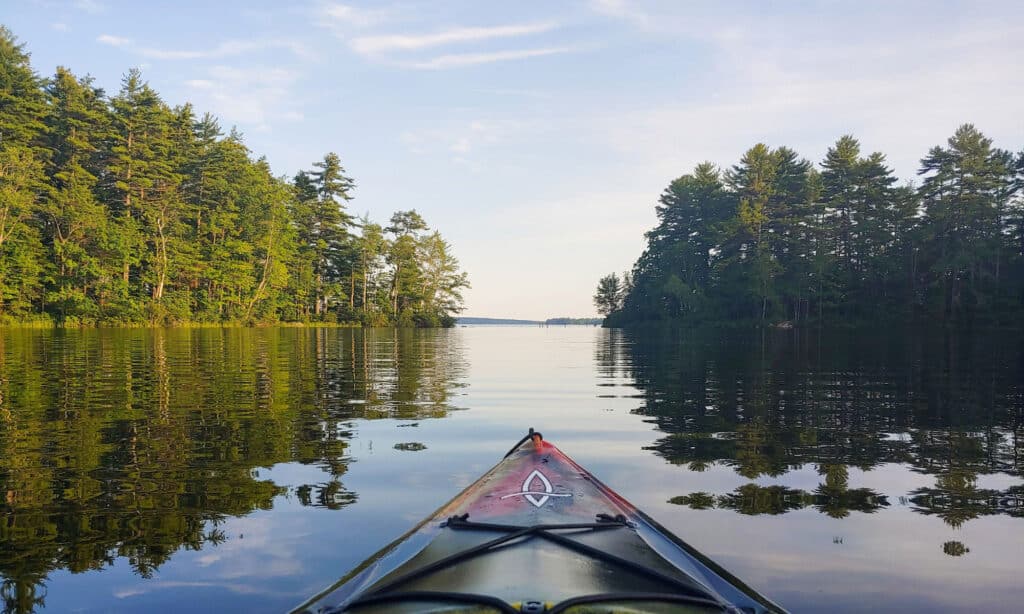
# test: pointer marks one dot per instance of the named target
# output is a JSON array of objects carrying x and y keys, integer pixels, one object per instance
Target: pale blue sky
[{"x": 537, "y": 135}]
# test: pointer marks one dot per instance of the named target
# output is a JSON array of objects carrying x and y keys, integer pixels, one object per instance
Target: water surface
[{"x": 249, "y": 468}]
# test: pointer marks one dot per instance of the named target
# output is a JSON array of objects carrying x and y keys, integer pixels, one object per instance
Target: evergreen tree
[
  {"x": 329, "y": 237},
  {"x": 845, "y": 244},
  {"x": 675, "y": 271},
  {"x": 142, "y": 192},
  {"x": 406, "y": 280},
  {"x": 22, "y": 103},
  {"x": 371, "y": 247},
  {"x": 128, "y": 210},
  {"x": 864, "y": 221},
  {"x": 22, "y": 185},
  {"x": 748, "y": 266},
  {"x": 73, "y": 219},
  {"x": 965, "y": 195}
]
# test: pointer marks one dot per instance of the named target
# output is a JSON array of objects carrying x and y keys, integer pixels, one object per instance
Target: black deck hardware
[{"x": 688, "y": 591}]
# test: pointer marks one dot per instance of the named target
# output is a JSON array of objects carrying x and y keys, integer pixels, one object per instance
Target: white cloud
[
  {"x": 461, "y": 137},
  {"x": 231, "y": 48},
  {"x": 368, "y": 45},
  {"x": 90, "y": 6},
  {"x": 60, "y": 26},
  {"x": 255, "y": 96},
  {"x": 336, "y": 14},
  {"x": 222, "y": 50},
  {"x": 113, "y": 41},
  {"x": 520, "y": 93},
  {"x": 620, "y": 9},
  {"x": 799, "y": 81},
  {"x": 796, "y": 83},
  {"x": 458, "y": 60}
]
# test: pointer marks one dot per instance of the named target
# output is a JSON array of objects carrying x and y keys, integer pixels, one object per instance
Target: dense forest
[
  {"x": 122, "y": 209},
  {"x": 775, "y": 240}
]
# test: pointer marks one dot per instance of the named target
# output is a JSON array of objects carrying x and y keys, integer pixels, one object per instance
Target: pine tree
[
  {"x": 332, "y": 256},
  {"x": 965, "y": 195},
  {"x": 126, "y": 210},
  {"x": 402, "y": 255},
  {"x": 371, "y": 247},
  {"x": 860, "y": 204},
  {"x": 74, "y": 221},
  {"x": 22, "y": 104},
  {"x": 748, "y": 247},
  {"x": 143, "y": 187},
  {"x": 676, "y": 268},
  {"x": 22, "y": 183}
]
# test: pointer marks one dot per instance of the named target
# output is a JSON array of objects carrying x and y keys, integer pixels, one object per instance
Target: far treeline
[
  {"x": 775, "y": 240},
  {"x": 121, "y": 209}
]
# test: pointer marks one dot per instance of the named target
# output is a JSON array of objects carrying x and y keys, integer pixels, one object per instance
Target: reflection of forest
[
  {"x": 944, "y": 404},
  {"x": 137, "y": 443},
  {"x": 833, "y": 497}
]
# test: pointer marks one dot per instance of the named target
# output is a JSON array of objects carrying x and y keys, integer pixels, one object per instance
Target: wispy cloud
[
  {"x": 472, "y": 59},
  {"x": 368, "y": 45},
  {"x": 226, "y": 49},
  {"x": 200, "y": 84},
  {"x": 462, "y": 138},
  {"x": 89, "y": 6},
  {"x": 256, "y": 96},
  {"x": 222, "y": 50},
  {"x": 520, "y": 93},
  {"x": 113, "y": 41},
  {"x": 336, "y": 14},
  {"x": 401, "y": 49},
  {"x": 620, "y": 9},
  {"x": 60, "y": 26},
  {"x": 800, "y": 83}
]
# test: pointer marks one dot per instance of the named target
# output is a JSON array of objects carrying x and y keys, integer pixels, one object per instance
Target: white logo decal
[{"x": 537, "y": 497}]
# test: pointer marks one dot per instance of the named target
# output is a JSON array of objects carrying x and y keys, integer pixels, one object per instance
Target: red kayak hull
[{"x": 538, "y": 485}]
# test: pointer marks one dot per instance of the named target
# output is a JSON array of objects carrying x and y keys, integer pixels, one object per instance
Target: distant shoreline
[{"x": 473, "y": 321}]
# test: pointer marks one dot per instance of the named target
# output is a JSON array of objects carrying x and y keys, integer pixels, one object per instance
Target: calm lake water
[{"x": 246, "y": 469}]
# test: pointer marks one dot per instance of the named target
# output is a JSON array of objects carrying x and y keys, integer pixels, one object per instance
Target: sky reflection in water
[{"x": 249, "y": 468}]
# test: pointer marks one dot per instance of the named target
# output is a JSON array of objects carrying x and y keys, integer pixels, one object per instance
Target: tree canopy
[
  {"x": 124, "y": 209},
  {"x": 775, "y": 239}
]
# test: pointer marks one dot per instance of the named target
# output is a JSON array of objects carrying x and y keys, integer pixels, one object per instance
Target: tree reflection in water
[
  {"x": 135, "y": 444},
  {"x": 943, "y": 404}
]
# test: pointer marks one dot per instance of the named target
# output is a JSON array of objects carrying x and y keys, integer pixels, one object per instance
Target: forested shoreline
[
  {"x": 124, "y": 210},
  {"x": 775, "y": 240}
]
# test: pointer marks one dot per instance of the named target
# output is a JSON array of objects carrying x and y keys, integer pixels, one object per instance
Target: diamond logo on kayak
[{"x": 537, "y": 489}]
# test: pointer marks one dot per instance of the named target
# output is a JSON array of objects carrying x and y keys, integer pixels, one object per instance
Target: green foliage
[
  {"x": 609, "y": 294},
  {"x": 776, "y": 240},
  {"x": 124, "y": 210}
]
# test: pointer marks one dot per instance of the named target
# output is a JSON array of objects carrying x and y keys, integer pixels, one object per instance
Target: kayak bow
[{"x": 538, "y": 533}]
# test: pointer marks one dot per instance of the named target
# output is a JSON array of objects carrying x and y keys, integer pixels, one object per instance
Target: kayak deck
[{"x": 538, "y": 533}]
